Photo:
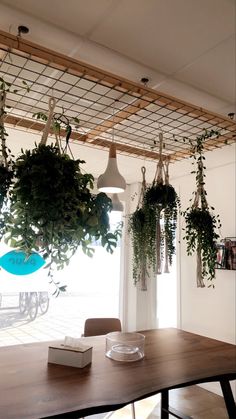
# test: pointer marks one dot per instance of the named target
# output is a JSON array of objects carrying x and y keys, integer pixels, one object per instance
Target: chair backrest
[{"x": 101, "y": 326}]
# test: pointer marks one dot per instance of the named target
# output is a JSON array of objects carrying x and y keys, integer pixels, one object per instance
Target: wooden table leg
[{"x": 229, "y": 399}]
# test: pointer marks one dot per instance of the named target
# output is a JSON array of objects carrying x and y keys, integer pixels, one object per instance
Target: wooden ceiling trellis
[{"x": 105, "y": 104}]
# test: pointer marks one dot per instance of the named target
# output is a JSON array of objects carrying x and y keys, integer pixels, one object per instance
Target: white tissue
[{"x": 72, "y": 342}]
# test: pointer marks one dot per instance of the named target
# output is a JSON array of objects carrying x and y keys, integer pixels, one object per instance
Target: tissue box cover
[{"x": 72, "y": 357}]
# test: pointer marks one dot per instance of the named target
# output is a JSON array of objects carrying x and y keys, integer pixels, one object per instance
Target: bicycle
[{"x": 28, "y": 304}]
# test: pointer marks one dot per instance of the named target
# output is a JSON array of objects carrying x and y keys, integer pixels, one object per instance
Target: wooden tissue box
[{"x": 77, "y": 357}]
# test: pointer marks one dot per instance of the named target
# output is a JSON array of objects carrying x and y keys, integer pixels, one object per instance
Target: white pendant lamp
[
  {"x": 116, "y": 203},
  {"x": 111, "y": 181}
]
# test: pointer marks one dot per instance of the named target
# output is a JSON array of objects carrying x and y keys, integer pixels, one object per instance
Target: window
[{"x": 92, "y": 291}]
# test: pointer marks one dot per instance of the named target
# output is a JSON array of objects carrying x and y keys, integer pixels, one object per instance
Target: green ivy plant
[
  {"x": 151, "y": 242},
  {"x": 141, "y": 227},
  {"x": 201, "y": 223},
  {"x": 52, "y": 208},
  {"x": 164, "y": 201},
  {"x": 6, "y": 175},
  {"x": 6, "y": 159},
  {"x": 170, "y": 213}
]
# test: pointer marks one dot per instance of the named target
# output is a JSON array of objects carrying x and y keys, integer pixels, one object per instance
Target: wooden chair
[{"x": 102, "y": 326}]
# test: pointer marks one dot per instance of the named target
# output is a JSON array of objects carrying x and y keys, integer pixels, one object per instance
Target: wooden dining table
[{"x": 31, "y": 388}]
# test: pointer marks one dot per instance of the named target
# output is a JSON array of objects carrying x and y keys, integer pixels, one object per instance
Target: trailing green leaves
[
  {"x": 52, "y": 208},
  {"x": 6, "y": 162},
  {"x": 152, "y": 227},
  {"x": 201, "y": 223},
  {"x": 164, "y": 201},
  {"x": 142, "y": 228}
]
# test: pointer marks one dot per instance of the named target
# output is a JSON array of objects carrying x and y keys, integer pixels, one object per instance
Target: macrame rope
[
  {"x": 143, "y": 269},
  {"x": 158, "y": 178},
  {"x": 200, "y": 198},
  {"x": 167, "y": 182},
  {"x": 143, "y": 187},
  {"x": 166, "y": 170},
  {"x": 51, "y": 107},
  {"x": 143, "y": 275}
]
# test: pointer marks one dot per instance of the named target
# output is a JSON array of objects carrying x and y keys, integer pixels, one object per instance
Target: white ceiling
[
  {"x": 188, "y": 40},
  {"x": 186, "y": 47}
]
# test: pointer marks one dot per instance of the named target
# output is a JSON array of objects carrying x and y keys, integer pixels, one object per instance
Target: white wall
[
  {"x": 138, "y": 308},
  {"x": 206, "y": 311}
]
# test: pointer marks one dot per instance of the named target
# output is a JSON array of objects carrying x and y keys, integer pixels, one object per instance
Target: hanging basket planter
[
  {"x": 163, "y": 199},
  {"x": 6, "y": 163},
  {"x": 160, "y": 194},
  {"x": 201, "y": 224},
  {"x": 52, "y": 208},
  {"x": 152, "y": 226},
  {"x": 141, "y": 228}
]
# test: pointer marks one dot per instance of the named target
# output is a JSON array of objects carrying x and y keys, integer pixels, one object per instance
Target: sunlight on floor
[{"x": 143, "y": 409}]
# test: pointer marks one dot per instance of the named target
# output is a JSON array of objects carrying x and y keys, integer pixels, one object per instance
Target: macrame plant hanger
[
  {"x": 158, "y": 180},
  {"x": 143, "y": 188},
  {"x": 51, "y": 107},
  {"x": 167, "y": 182},
  {"x": 143, "y": 265},
  {"x": 200, "y": 202}
]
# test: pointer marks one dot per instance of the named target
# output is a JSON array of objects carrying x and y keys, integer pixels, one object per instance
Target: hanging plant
[
  {"x": 201, "y": 223},
  {"x": 6, "y": 162},
  {"x": 163, "y": 199},
  {"x": 152, "y": 243},
  {"x": 52, "y": 208},
  {"x": 142, "y": 228},
  {"x": 6, "y": 173},
  {"x": 170, "y": 211}
]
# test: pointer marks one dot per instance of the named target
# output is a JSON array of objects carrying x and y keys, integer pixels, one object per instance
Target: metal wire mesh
[{"x": 139, "y": 115}]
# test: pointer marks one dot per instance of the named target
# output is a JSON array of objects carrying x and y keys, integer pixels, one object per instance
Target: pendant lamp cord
[{"x": 113, "y": 122}]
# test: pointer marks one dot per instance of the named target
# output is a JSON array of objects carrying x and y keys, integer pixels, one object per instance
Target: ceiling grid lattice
[{"x": 93, "y": 96}]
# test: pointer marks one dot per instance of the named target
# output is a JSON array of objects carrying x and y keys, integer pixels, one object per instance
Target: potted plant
[
  {"x": 151, "y": 242},
  {"x": 163, "y": 199},
  {"x": 6, "y": 162},
  {"x": 52, "y": 209},
  {"x": 142, "y": 229},
  {"x": 201, "y": 223}
]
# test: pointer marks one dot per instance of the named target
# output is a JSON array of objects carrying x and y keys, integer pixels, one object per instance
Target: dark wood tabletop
[{"x": 31, "y": 388}]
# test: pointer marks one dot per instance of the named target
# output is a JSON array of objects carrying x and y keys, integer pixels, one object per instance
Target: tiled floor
[{"x": 65, "y": 317}]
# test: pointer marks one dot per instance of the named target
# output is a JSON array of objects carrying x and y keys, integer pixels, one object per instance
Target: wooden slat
[
  {"x": 126, "y": 149},
  {"x": 118, "y": 118},
  {"x": 36, "y": 126},
  {"x": 98, "y": 142},
  {"x": 210, "y": 144}
]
